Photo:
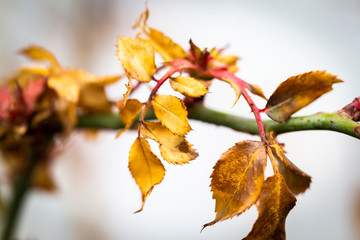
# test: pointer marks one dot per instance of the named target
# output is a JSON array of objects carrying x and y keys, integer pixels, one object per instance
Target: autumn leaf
[
  {"x": 173, "y": 148},
  {"x": 93, "y": 99},
  {"x": 69, "y": 82},
  {"x": 224, "y": 61},
  {"x": 172, "y": 113},
  {"x": 237, "y": 179},
  {"x": 145, "y": 167},
  {"x": 297, "y": 92},
  {"x": 165, "y": 46},
  {"x": 137, "y": 58},
  {"x": 256, "y": 90},
  {"x": 188, "y": 86},
  {"x": 38, "y": 53},
  {"x": 274, "y": 205},
  {"x": 66, "y": 86},
  {"x": 128, "y": 113},
  {"x": 296, "y": 179}
]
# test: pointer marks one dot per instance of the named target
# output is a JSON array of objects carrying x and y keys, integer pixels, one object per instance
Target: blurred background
[{"x": 277, "y": 39}]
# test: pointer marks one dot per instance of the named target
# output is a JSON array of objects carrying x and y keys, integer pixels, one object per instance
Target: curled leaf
[
  {"x": 137, "y": 58},
  {"x": 172, "y": 113},
  {"x": 297, "y": 92},
  {"x": 274, "y": 205},
  {"x": 145, "y": 167},
  {"x": 128, "y": 113},
  {"x": 296, "y": 179},
  {"x": 38, "y": 53},
  {"x": 173, "y": 148},
  {"x": 188, "y": 86},
  {"x": 237, "y": 179}
]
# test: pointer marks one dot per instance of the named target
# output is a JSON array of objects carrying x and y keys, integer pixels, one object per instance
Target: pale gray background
[{"x": 275, "y": 39}]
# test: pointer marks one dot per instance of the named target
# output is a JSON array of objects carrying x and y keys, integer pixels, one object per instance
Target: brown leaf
[
  {"x": 297, "y": 92},
  {"x": 173, "y": 148},
  {"x": 172, "y": 113},
  {"x": 237, "y": 179},
  {"x": 128, "y": 113},
  {"x": 145, "y": 167},
  {"x": 188, "y": 86},
  {"x": 274, "y": 205},
  {"x": 296, "y": 179},
  {"x": 137, "y": 58}
]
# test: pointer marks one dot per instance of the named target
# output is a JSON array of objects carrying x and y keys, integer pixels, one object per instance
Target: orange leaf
[
  {"x": 128, "y": 113},
  {"x": 145, "y": 167},
  {"x": 38, "y": 53},
  {"x": 188, "y": 86},
  {"x": 237, "y": 179},
  {"x": 274, "y": 205},
  {"x": 296, "y": 179},
  {"x": 171, "y": 111},
  {"x": 173, "y": 148},
  {"x": 297, "y": 92},
  {"x": 137, "y": 58}
]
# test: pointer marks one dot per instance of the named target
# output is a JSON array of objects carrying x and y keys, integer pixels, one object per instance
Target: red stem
[
  {"x": 154, "y": 91},
  {"x": 243, "y": 87}
]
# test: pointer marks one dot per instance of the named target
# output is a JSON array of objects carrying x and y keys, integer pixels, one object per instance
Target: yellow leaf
[
  {"x": 173, "y": 148},
  {"x": 92, "y": 99},
  {"x": 145, "y": 167},
  {"x": 188, "y": 86},
  {"x": 38, "y": 53},
  {"x": 237, "y": 179},
  {"x": 66, "y": 86},
  {"x": 128, "y": 113},
  {"x": 68, "y": 82},
  {"x": 221, "y": 59},
  {"x": 165, "y": 46},
  {"x": 137, "y": 58},
  {"x": 297, "y": 92},
  {"x": 171, "y": 111},
  {"x": 274, "y": 205},
  {"x": 84, "y": 77}
]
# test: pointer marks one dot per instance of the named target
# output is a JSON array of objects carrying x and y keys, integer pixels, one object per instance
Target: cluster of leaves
[
  {"x": 238, "y": 178},
  {"x": 39, "y": 102}
]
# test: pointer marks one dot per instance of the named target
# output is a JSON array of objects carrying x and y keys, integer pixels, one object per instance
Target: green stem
[
  {"x": 319, "y": 121},
  {"x": 20, "y": 188}
]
